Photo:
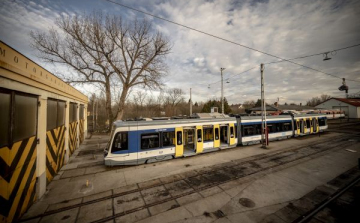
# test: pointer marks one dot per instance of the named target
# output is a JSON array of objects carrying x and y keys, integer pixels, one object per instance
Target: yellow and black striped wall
[{"x": 37, "y": 134}]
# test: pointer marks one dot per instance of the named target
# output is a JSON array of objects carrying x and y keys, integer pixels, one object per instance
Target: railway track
[
  {"x": 332, "y": 198},
  {"x": 196, "y": 181}
]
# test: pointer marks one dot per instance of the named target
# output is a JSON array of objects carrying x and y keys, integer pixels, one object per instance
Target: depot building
[
  {"x": 350, "y": 106},
  {"x": 42, "y": 122}
]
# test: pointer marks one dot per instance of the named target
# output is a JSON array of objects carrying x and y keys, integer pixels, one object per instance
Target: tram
[{"x": 139, "y": 142}]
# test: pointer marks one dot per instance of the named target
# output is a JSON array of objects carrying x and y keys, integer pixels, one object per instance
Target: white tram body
[{"x": 138, "y": 142}]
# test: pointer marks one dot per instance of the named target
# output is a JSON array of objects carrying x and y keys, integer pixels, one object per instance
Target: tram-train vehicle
[{"x": 138, "y": 142}]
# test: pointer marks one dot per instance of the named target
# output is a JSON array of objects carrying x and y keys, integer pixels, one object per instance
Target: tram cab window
[
  {"x": 216, "y": 133},
  {"x": 120, "y": 142},
  {"x": 199, "y": 135},
  {"x": 168, "y": 138},
  {"x": 179, "y": 137},
  {"x": 150, "y": 141},
  {"x": 231, "y": 132}
]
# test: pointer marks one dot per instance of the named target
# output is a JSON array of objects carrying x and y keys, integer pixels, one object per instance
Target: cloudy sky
[{"x": 287, "y": 29}]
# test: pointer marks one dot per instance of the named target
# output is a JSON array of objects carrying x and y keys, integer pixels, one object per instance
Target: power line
[
  {"x": 223, "y": 39},
  {"x": 317, "y": 54},
  {"x": 234, "y": 75}
]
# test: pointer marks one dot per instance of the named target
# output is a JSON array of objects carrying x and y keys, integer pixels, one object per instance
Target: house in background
[{"x": 351, "y": 106}]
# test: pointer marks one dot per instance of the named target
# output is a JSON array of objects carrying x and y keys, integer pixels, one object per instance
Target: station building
[{"x": 42, "y": 122}]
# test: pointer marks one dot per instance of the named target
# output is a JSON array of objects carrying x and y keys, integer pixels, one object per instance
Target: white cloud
[{"x": 284, "y": 28}]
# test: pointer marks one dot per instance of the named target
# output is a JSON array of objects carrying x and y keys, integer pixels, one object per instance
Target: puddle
[{"x": 246, "y": 202}]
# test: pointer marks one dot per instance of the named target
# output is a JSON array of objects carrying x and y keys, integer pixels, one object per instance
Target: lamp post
[{"x": 222, "y": 90}]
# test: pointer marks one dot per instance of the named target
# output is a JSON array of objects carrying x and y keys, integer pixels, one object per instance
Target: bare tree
[
  {"x": 248, "y": 104},
  {"x": 173, "y": 97},
  {"x": 317, "y": 100},
  {"x": 100, "y": 49}
]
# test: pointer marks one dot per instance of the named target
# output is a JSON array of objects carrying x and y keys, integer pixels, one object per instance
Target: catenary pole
[
  {"x": 222, "y": 90},
  {"x": 190, "y": 103}
]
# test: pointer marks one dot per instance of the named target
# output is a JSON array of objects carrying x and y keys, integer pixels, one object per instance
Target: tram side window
[
  {"x": 120, "y": 142},
  {"x": 248, "y": 130},
  {"x": 168, "y": 138},
  {"x": 25, "y": 117},
  {"x": 308, "y": 123},
  {"x": 208, "y": 134},
  {"x": 199, "y": 135},
  {"x": 179, "y": 137},
  {"x": 236, "y": 134},
  {"x": 286, "y": 126},
  {"x": 216, "y": 133},
  {"x": 231, "y": 132},
  {"x": 150, "y": 141},
  {"x": 5, "y": 101}
]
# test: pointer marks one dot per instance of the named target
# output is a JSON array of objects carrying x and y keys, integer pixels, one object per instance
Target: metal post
[
  {"x": 93, "y": 111},
  {"x": 190, "y": 103},
  {"x": 263, "y": 109},
  {"x": 222, "y": 91}
]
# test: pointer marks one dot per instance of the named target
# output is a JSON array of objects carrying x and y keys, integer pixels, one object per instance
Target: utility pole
[
  {"x": 222, "y": 90},
  {"x": 264, "y": 140},
  {"x": 190, "y": 103},
  {"x": 93, "y": 111}
]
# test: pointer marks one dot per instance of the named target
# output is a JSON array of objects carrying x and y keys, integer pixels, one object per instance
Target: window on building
[
  {"x": 208, "y": 134},
  {"x": 5, "y": 108},
  {"x": 168, "y": 138},
  {"x": 199, "y": 135},
  {"x": 72, "y": 112},
  {"x": 25, "y": 117},
  {"x": 55, "y": 114},
  {"x": 150, "y": 141},
  {"x": 61, "y": 113},
  {"x": 120, "y": 142},
  {"x": 81, "y": 112},
  {"x": 179, "y": 137},
  {"x": 51, "y": 117}
]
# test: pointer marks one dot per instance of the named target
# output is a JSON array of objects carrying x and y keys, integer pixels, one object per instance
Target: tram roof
[{"x": 171, "y": 121}]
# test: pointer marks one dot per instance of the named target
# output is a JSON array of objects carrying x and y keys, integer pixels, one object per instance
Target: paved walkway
[{"x": 260, "y": 195}]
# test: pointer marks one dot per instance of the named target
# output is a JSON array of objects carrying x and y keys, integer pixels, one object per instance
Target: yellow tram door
[
  {"x": 305, "y": 125},
  {"x": 179, "y": 139},
  {"x": 311, "y": 126},
  {"x": 298, "y": 126},
  {"x": 216, "y": 136},
  {"x": 316, "y": 124},
  {"x": 231, "y": 134},
  {"x": 199, "y": 139}
]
